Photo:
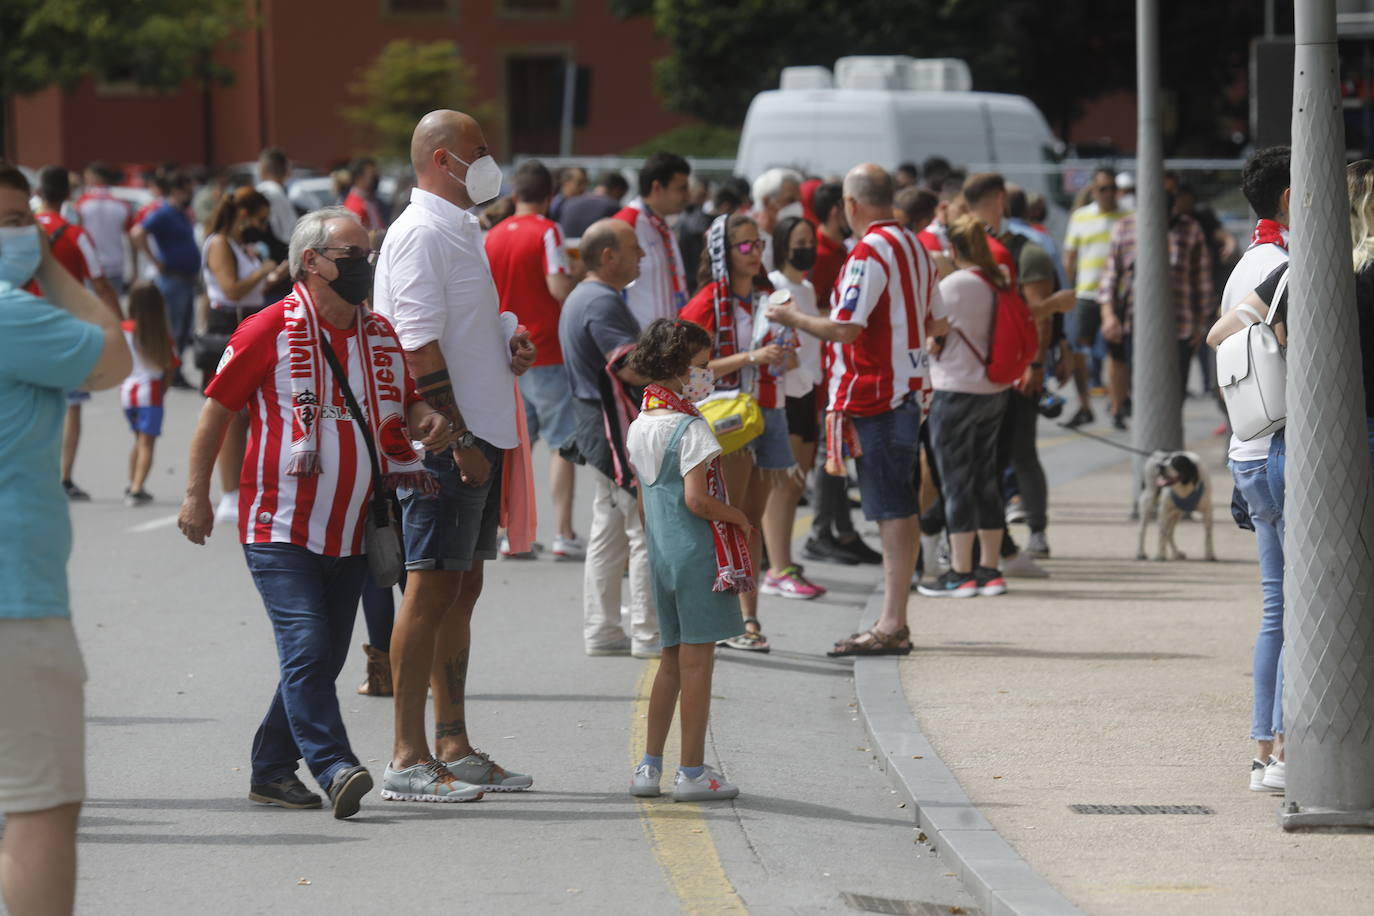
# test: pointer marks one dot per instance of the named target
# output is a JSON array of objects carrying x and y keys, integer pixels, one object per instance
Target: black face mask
[
  {"x": 802, "y": 258},
  {"x": 354, "y": 282}
]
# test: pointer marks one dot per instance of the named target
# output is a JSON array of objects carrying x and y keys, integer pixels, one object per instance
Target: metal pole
[
  {"x": 1154, "y": 373},
  {"x": 565, "y": 134},
  {"x": 1328, "y": 693}
]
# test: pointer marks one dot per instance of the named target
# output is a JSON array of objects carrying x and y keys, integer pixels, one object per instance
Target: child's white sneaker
[
  {"x": 709, "y": 786},
  {"x": 644, "y": 782}
]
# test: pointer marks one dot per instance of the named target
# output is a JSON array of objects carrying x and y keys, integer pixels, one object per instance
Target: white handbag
[{"x": 1252, "y": 371}]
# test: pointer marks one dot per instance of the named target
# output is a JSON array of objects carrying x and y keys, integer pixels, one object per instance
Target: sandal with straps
[
  {"x": 749, "y": 640},
  {"x": 874, "y": 641}
]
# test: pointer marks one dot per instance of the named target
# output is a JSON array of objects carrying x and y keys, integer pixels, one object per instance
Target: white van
[{"x": 891, "y": 110}]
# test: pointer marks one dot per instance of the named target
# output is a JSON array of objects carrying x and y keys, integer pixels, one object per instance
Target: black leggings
[
  {"x": 963, "y": 436},
  {"x": 1016, "y": 448}
]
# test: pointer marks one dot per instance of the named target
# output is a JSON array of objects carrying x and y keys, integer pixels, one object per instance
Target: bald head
[
  {"x": 444, "y": 131},
  {"x": 869, "y": 185},
  {"x": 611, "y": 251}
]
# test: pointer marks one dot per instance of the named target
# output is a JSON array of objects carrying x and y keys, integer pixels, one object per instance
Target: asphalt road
[{"x": 182, "y": 666}]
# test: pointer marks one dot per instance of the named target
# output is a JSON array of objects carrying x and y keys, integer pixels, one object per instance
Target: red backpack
[{"x": 1013, "y": 340}]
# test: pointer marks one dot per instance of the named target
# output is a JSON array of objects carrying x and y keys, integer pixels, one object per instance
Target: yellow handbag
[{"x": 736, "y": 420}]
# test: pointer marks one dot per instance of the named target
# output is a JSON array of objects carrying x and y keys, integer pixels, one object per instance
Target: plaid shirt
[{"x": 1190, "y": 274}]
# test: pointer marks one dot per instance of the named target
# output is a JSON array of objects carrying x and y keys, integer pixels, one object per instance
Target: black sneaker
[
  {"x": 284, "y": 793},
  {"x": 951, "y": 585},
  {"x": 75, "y": 493},
  {"x": 346, "y": 791},
  {"x": 1082, "y": 418},
  {"x": 824, "y": 549},
  {"x": 855, "y": 547},
  {"x": 141, "y": 498}
]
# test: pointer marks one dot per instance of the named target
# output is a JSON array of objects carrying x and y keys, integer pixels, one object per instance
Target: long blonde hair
[
  {"x": 152, "y": 332},
  {"x": 969, "y": 239},
  {"x": 1359, "y": 179}
]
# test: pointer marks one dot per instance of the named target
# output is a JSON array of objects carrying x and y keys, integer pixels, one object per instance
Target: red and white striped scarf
[
  {"x": 734, "y": 568},
  {"x": 382, "y": 397},
  {"x": 1269, "y": 232},
  {"x": 618, "y": 411}
]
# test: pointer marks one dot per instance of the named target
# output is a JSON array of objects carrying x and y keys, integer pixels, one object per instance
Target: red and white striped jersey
[
  {"x": 661, "y": 290},
  {"x": 143, "y": 386},
  {"x": 888, "y": 286},
  {"x": 322, "y": 513},
  {"x": 108, "y": 219}
]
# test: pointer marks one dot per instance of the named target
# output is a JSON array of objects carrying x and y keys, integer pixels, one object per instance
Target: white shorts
[{"x": 43, "y": 716}]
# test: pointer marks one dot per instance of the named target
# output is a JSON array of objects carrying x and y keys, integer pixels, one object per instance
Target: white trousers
[{"x": 616, "y": 538}]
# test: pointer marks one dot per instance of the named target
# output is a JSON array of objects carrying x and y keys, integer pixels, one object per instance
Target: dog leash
[{"x": 1104, "y": 440}]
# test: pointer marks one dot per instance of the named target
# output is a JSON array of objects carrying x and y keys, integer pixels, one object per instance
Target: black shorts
[{"x": 802, "y": 418}]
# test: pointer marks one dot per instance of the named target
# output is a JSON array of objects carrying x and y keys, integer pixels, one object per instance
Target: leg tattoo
[
  {"x": 454, "y": 728},
  {"x": 456, "y": 676}
]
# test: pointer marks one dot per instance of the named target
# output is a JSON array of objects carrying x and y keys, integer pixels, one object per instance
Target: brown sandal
[{"x": 874, "y": 641}]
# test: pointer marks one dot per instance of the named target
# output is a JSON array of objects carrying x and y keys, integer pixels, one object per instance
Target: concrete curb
[{"x": 998, "y": 878}]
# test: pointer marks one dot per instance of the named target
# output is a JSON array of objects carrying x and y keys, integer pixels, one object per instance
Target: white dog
[{"x": 1184, "y": 478}]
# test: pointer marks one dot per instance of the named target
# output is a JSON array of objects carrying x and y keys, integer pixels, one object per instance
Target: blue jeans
[
  {"x": 891, "y": 444},
  {"x": 1252, "y": 479},
  {"x": 179, "y": 291},
  {"x": 312, "y": 601}
]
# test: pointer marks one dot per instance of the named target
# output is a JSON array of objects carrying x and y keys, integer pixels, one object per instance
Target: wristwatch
[{"x": 464, "y": 440}]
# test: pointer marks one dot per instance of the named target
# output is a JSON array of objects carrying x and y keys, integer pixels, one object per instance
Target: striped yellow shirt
[{"x": 1090, "y": 235}]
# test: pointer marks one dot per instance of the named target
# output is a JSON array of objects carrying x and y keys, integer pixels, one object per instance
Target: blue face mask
[{"x": 20, "y": 254}]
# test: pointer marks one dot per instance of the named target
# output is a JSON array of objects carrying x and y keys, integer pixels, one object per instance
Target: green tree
[
  {"x": 405, "y": 81},
  {"x": 155, "y": 43}
]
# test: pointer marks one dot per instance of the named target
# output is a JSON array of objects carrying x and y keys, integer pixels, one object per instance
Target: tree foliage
[
  {"x": 154, "y": 43},
  {"x": 404, "y": 82},
  {"x": 1060, "y": 54}
]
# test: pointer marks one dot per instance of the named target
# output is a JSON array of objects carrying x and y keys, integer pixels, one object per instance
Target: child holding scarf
[{"x": 698, "y": 550}]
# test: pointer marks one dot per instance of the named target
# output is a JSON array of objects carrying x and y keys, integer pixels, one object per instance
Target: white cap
[{"x": 1125, "y": 181}]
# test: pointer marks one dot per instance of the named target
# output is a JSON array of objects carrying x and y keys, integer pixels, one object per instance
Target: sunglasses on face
[
  {"x": 351, "y": 252},
  {"x": 750, "y": 246},
  {"x": 1105, "y": 188}
]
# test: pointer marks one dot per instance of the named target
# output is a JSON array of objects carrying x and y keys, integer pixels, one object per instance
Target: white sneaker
[
  {"x": 646, "y": 650},
  {"x": 1257, "y": 775},
  {"x": 228, "y": 510},
  {"x": 1022, "y": 566},
  {"x": 1274, "y": 775},
  {"x": 573, "y": 548},
  {"x": 644, "y": 782},
  {"x": 620, "y": 646},
  {"x": 709, "y": 786},
  {"x": 508, "y": 554}
]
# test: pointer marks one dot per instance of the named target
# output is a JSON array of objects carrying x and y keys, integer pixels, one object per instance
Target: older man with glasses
[{"x": 1085, "y": 255}]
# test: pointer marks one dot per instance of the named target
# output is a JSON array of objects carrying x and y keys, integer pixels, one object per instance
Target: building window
[
  {"x": 420, "y": 9},
  {"x": 533, "y": 9},
  {"x": 534, "y": 104}
]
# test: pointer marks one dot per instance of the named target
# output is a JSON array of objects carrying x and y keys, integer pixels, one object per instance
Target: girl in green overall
[{"x": 698, "y": 550}]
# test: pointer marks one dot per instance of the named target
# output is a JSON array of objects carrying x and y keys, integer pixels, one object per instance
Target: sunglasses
[
  {"x": 353, "y": 251},
  {"x": 750, "y": 246},
  {"x": 1104, "y": 188}
]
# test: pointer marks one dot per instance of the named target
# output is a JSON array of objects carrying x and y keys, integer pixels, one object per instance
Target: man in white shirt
[
  {"x": 434, "y": 283},
  {"x": 661, "y": 290},
  {"x": 273, "y": 171}
]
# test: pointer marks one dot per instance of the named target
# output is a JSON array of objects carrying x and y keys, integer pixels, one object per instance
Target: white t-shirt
[
  {"x": 1256, "y": 264},
  {"x": 434, "y": 282},
  {"x": 967, "y": 301},
  {"x": 647, "y": 443},
  {"x": 282, "y": 218},
  {"x": 802, "y": 380}
]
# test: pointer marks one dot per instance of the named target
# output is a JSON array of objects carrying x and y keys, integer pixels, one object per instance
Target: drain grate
[
  {"x": 1141, "y": 809},
  {"x": 868, "y": 904}
]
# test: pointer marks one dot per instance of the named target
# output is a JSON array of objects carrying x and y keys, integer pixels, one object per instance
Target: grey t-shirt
[{"x": 594, "y": 321}]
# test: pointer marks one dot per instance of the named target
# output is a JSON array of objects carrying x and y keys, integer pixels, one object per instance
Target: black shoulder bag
[{"x": 382, "y": 533}]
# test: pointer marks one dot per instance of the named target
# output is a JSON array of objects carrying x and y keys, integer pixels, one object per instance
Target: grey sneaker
[
  {"x": 644, "y": 782},
  {"x": 709, "y": 786},
  {"x": 620, "y": 646},
  {"x": 480, "y": 770},
  {"x": 1038, "y": 546},
  {"x": 426, "y": 782}
]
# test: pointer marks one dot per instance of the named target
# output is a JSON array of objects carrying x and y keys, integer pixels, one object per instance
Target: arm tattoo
[
  {"x": 437, "y": 389},
  {"x": 456, "y": 676},
  {"x": 454, "y": 728}
]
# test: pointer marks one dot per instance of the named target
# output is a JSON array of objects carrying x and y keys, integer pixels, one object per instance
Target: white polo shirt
[{"x": 434, "y": 283}]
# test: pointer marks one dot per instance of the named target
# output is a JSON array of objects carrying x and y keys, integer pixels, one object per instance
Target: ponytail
[{"x": 969, "y": 240}]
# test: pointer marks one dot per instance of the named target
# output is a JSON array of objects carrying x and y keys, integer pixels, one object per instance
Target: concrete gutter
[{"x": 994, "y": 874}]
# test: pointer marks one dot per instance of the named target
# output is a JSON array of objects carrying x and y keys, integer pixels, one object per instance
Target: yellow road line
[{"x": 678, "y": 834}]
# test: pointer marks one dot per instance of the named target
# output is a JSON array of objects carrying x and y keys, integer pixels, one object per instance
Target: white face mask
[
  {"x": 484, "y": 178},
  {"x": 700, "y": 384},
  {"x": 792, "y": 209}
]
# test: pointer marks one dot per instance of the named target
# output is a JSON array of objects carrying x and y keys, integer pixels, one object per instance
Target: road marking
[
  {"x": 143, "y": 527},
  {"x": 678, "y": 834}
]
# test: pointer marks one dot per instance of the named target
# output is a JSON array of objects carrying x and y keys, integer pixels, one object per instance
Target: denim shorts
[
  {"x": 547, "y": 393},
  {"x": 144, "y": 420},
  {"x": 773, "y": 450},
  {"x": 1082, "y": 324},
  {"x": 457, "y": 525},
  {"x": 889, "y": 465}
]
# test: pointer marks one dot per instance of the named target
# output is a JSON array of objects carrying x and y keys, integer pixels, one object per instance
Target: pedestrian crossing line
[
  {"x": 144, "y": 527},
  {"x": 678, "y": 834}
]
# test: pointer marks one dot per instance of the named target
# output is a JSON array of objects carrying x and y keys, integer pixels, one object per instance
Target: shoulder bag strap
[
  {"x": 380, "y": 512},
  {"x": 1279, "y": 292}
]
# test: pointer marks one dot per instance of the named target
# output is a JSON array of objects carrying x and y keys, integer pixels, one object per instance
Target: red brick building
[{"x": 292, "y": 77}]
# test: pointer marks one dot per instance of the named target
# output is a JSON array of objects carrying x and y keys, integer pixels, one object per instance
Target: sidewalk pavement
[{"x": 1115, "y": 682}]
